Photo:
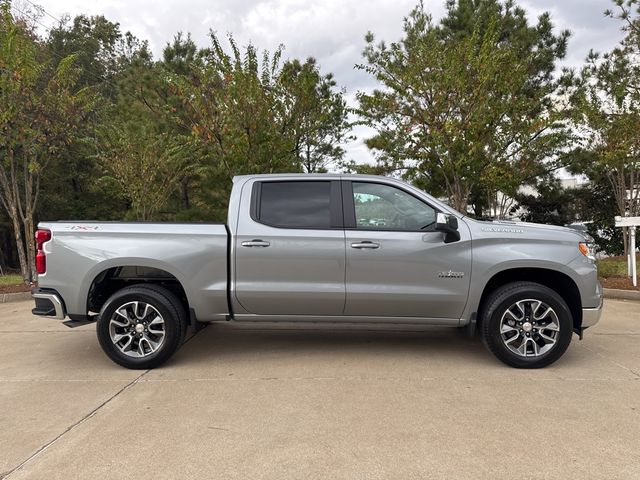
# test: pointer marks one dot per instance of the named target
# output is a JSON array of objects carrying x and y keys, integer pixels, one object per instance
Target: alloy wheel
[
  {"x": 137, "y": 329},
  {"x": 529, "y": 328}
]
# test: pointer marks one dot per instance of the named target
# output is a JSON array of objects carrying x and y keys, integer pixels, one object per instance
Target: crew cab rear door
[{"x": 290, "y": 248}]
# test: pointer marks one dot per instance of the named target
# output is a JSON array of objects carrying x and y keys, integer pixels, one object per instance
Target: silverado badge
[{"x": 450, "y": 274}]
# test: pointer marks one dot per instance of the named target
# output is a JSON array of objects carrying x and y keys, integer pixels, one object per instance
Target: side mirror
[{"x": 448, "y": 224}]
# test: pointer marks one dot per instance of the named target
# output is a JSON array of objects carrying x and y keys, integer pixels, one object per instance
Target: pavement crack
[
  {"x": 43, "y": 448},
  {"x": 366, "y": 378},
  {"x": 46, "y": 331},
  {"x": 219, "y": 428},
  {"x": 624, "y": 367},
  {"x": 625, "y": 334},
  {"x": 72, "y": 427}
]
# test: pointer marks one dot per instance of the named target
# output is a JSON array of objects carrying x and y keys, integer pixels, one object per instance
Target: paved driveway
[{"x": 240, "y": 403}]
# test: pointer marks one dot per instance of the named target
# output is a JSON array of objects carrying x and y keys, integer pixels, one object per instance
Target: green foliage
[
  {"x": 146, "y": 165},
  {"x": 44, "y": 113},
  {"x": 318, "y": 114},
  {"x": 536, "y": 42},
  {"x": 248, "y": 114},
  {"x": 73, "y": 186},
  {"x": 595, "y": 202},
  {"x": 93, "y": 127},
  {"x": 614, "y": 266},
  {"x": 11, "y": 279},
  {"x": 552, "y": 204},
  {"x": 448, "y": 118},
  {"x": 607, "y": 109},
  {"x": 232, "y": 106}
]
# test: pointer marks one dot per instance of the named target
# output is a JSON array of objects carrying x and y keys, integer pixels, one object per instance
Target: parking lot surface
[{"x": 258, "y": 403}]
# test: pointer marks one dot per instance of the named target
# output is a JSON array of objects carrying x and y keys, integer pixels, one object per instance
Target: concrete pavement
[{"x": 250, "y": 403}]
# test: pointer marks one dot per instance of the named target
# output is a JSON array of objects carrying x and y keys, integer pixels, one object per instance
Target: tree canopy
[
  {"x": 469, "y": 108},
  {"x": 469, "y": 104}
]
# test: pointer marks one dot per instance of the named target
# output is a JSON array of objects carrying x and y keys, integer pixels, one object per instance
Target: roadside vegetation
[
  {"x": 11, "y": 279},
  {"x": 613, "y": 272},
  {"x": 470, "y": 108},
  {"x": 613, "y": 267},
  {"x": 13, "y": 283}
]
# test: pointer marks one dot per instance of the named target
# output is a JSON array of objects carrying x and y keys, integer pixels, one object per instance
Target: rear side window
[{"x": 294, "y": 204}]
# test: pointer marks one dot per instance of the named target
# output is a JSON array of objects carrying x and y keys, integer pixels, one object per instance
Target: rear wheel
[
  {"x": 526, "y": 325},
  {"x": 141, "y": 326}
]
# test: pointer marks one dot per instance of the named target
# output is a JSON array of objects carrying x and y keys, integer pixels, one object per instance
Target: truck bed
[{"x": 195, "y": 254}]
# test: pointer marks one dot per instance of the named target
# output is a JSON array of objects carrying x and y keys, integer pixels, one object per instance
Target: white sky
[{"x": 332, "y": 31}]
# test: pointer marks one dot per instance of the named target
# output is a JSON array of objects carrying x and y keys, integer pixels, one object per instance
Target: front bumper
[
  {"x": 48, "y": 303},
  {"x": 590, "y": 316}
]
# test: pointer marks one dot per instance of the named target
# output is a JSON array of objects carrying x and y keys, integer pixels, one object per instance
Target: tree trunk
[
  {"x": 184, "y": 192},
  {"x": 29, "y": 237},
  {"x": 459, "y": 196},
  {"x": 22, "y": 257},
  {"x": 10, "y": 200}
]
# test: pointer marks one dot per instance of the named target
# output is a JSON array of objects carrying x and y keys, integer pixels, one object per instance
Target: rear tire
[
  {"x": 526, "y": 325},
  {"x": 142, "y": 326}
]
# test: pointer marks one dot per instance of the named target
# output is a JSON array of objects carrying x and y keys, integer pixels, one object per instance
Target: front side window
[
  {"x": 383, "y": 207},
  {"x": 295, "y": 204}
]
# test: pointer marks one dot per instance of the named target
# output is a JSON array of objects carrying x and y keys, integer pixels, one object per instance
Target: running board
[{"x": 80, "y": 323}]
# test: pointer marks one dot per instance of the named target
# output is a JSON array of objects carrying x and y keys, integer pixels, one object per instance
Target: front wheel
[
  {"x": 526, "y": 325},
  {"x": 141, "y": 326}
]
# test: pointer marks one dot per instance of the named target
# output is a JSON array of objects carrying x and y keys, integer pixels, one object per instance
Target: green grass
[
  {"x": 614, "y": 266},
  {"x": 11, "y": 279}
]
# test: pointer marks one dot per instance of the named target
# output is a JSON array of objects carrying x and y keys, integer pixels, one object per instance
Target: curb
[
  {"x": 617, "y": 294},
  {"x": 14, "y": 297}
]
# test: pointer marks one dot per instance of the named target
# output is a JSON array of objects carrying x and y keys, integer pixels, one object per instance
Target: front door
[
  {"x": 290, "y": 250},
  {"x": 397, "y": 264}
]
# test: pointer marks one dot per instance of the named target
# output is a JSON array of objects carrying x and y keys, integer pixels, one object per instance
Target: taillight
[{"x": 42, "y": 236}]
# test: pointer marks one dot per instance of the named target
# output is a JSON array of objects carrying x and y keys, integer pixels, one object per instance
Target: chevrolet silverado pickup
[{"x": 334, "y": 249}]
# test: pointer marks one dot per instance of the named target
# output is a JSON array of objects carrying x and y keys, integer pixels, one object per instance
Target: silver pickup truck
[{"x": 335, "y": 249}]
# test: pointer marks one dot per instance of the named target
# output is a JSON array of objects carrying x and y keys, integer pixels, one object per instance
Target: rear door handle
[
  {"x": 256, "y": 243},
  {"x": 365, "y": 244}
]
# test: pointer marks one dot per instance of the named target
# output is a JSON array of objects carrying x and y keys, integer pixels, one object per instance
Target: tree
[
  {"x": 449, "y": 118},
  {"x": 178, "y": 59},
  {"x": 42, "y": 113},
  {"x": 247, "y": 113},
  {"x": 230, "y": 104},
  {"x": 321, "y": 117},
  {"x": 74, "y": 186},
  {"x": 551, "y": 204},
  {"x": 147, "y": 165},
  {"x": 96, "y": 43},
  {"x": 608, "y": 111}
]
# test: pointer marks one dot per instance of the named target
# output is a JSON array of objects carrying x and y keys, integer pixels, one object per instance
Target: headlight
[{"x": 587, "y": 250}]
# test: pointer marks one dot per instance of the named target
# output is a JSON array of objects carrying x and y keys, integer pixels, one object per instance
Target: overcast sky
[{"x": 330, "y": 30}]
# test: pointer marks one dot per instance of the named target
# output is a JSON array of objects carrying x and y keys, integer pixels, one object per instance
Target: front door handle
[
  {"x": 365, "y": 244},
  {"x": 256, "y": 243}
]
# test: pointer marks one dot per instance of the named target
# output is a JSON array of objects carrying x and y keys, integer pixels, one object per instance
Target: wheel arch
[
  {"x": 557, "y": 281},
  {"x": 112, "y": 278}
]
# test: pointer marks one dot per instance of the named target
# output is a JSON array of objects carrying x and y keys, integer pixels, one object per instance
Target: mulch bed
[
  {"x": 621, "y": 283},
  {"x": 15, "y": 288}
]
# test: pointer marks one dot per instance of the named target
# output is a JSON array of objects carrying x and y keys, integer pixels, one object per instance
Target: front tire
[
  {"x": 141, "y": 326},
  {"x": 526, "y": 325}
]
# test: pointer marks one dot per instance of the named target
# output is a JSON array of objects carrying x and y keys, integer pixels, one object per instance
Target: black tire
[
  {"x": 497, "y": 305},
  {"x": 167, "y": 305}
]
